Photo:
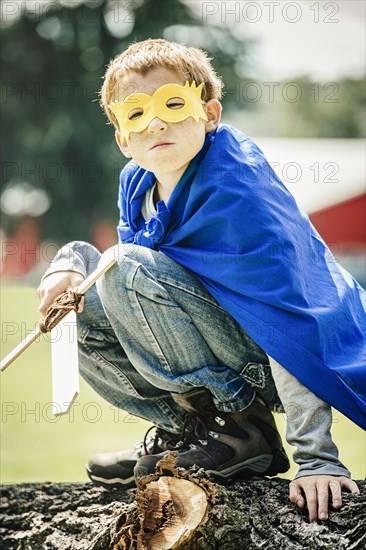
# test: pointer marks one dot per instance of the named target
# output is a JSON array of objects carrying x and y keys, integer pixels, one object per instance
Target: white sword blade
[{"x": 65, "y": 364}]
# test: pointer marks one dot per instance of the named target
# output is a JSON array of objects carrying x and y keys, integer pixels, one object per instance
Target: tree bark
[{"x": 248, "y": 515}]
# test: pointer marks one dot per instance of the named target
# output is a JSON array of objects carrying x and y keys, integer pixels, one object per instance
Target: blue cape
[{"x": 233, "y": 223}]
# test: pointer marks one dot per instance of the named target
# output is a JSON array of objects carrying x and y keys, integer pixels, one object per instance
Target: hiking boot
[
  {"x": 116, "y": 469},
  {"x": 227, "y": 445}
]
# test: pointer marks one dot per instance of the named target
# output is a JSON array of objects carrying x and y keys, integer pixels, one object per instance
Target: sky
[{"x": 323, "y": 39}]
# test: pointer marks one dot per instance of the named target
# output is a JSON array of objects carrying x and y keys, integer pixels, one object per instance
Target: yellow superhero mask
[{"x": 171, "y": 103}]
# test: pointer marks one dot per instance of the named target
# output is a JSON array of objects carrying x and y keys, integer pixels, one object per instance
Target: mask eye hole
[
  {"x": 135, "y": 114},
  {"x": 175, "y": 103}
]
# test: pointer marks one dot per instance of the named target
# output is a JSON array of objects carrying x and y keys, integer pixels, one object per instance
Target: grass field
[{"x": 35, "y": 446}]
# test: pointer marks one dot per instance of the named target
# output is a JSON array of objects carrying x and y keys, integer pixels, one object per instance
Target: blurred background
[{"x": 294, "y": 78}]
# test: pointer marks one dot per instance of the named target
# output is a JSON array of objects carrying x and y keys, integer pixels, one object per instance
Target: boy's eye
[
  {"x": 175, "y": 103},
  {"x": 135, "y": 114}
]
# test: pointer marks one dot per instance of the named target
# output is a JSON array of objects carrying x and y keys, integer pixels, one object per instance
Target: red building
[{"x": 327, "y": 178}]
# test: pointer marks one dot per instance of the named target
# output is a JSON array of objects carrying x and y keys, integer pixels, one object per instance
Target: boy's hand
[
  {"x": 314, "y": 491},
  {"x": 55, "y": 284}
]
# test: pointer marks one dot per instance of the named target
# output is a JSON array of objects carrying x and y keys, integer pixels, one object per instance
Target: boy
[{"x": 224, "y": 303}]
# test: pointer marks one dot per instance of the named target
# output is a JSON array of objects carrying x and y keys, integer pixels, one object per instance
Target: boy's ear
[
  {"x": 121, "y": 142},
  {"x": 213, "y": 110}
]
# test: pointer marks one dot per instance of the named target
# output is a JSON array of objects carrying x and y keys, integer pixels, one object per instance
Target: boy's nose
[{"x": 157, "y": 125}]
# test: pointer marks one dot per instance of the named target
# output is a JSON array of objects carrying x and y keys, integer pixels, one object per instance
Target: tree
[
  {"x": 245, "y": 515},
  {"x": 55, "y": 134}
]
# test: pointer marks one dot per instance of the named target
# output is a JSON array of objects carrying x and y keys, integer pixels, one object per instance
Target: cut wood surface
[{"x": 186, "y": 507}]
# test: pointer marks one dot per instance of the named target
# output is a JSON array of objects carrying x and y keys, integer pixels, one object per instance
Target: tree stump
[{"x": 173, "y": 509}]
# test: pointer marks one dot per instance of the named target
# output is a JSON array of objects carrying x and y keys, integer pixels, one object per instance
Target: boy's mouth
[{"x": 161, "y": 144}]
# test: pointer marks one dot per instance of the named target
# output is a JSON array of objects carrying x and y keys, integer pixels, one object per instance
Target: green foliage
[
  {"x": 55, "y": 135},
  {"x": 301, "y": 108},
  {"x": 57, "y": 138},
  {"x": 333, "y": 109}
]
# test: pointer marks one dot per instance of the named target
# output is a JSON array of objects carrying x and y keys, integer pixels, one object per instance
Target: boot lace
[
  {"x": 194, "y": 428},
  {"x": 152, "y": 443}
]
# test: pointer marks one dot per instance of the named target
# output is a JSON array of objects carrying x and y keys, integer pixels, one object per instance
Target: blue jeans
[{"x": 149, "y": 328}]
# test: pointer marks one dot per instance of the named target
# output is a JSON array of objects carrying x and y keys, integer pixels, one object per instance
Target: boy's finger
[
  {"x": 81, "y": 305},
  {"x": 350, "y": 485},
  {"x": 335, "y": 488},
  {"x": 295, "y": 495},
  {"x": 43, "y": 307},
  {"x": 323, "y": 497},
  {"x": 46, "y": 301},
  {"x": 312, "y": 501}
]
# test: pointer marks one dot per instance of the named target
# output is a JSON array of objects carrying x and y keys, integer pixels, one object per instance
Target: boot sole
[
  {"x": 280, "y": 463},
  {"x": 112, "y": 483},
  {"x": 257, "y": 465}
]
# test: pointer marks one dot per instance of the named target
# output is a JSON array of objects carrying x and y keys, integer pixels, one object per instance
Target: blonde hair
[{"x": 191, "y": 63}]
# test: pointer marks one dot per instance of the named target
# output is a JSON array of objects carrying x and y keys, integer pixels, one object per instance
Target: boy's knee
[
  {"x": 87, "y": 252},
  {"x": 86, "y": 249},
  {"x": 118, "y": 279},
  {"x": 124, "y": 253},
  {"x": 131, "y": 256}
]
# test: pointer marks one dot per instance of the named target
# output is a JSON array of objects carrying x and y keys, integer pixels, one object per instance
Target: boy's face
[{"x": 162, "y": 148}]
